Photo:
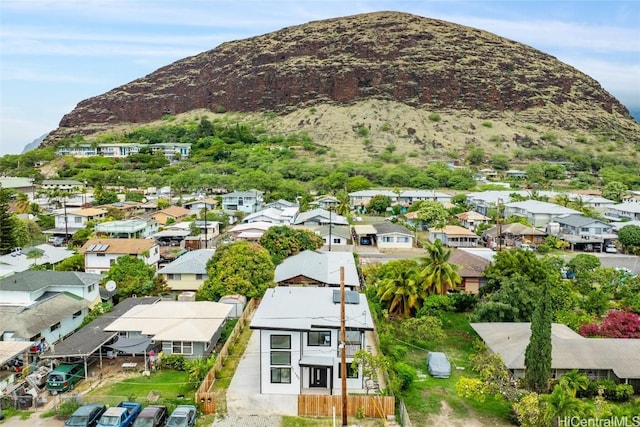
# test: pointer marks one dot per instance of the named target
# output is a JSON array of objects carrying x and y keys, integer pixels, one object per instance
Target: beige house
[
  {"x": 454, "y": 236},
  {"x": 176, "y": 213},
  {"x": 188, "y": 272}
]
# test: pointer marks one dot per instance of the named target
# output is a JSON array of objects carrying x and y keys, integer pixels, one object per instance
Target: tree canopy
[
  {"x": 243, "y": 268},
  {"x": 283, "y": 241},
  {"x": 133, "y": 276}
]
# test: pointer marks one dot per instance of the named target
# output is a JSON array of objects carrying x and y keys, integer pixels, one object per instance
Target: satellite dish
[{"x": 110, "y": 286}]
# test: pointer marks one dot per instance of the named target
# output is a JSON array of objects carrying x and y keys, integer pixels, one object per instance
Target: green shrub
[
  {"x": 434, "y": 117},
  {"x": 487, "y": 124},
  {"x": 543, "y": 248},
  {"x": 174, "y": 361},
  {"x": 433, "y": 305},
  {"x": 406, "y": 375},
  {"x": 549, "y": 137},
  {"x": 220, "y": 109},
  {"x": 363, "y": 131},
  {"x": 385, "y": 127},
  {"x": 312, "y": 110},
  {"x": 463, "y": 302},
  {"x": 398, "y": 352},
  {"x": 581, "y": 139}
]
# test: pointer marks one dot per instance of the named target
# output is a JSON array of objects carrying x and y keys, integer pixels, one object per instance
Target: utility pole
[
  {"x": 330, "y": 222},
  {"x": 343, "y": 356},
  {"x": 499, "y": 228},
  {"x": 66, "y": 225},
  {"x": 205, "y": 225}
]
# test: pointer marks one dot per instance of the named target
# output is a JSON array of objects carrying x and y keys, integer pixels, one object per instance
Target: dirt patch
[{"x": 446, "y": 418}]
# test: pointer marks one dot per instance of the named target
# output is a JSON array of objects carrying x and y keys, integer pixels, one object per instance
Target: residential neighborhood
[{"x": 295, "y": 348}]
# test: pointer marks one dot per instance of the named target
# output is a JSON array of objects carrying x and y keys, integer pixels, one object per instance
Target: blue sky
[{"x": 55, "y": 53}]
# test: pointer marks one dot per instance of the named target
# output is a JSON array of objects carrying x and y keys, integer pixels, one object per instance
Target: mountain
[
  {"x": 423, "y": 64},
  {"x": 34, "y": 144}
]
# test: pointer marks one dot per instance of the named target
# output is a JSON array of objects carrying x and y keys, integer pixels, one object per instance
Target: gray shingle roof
[
  {"x": 50, "y": 309},
  {"x": 31, "y": 280},
  {"x": 576, "y": 220},
  {"x": 388, "y": 227},
  {"x": 569, "y": 350}
]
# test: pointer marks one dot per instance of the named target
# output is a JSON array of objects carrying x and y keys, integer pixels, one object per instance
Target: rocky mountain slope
[{"x": 424, "y": 64}]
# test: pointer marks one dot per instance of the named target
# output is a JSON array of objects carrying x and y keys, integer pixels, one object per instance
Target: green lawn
[
  {"x": 169, "y": 384},
  {"x": 425, "y": 396}
]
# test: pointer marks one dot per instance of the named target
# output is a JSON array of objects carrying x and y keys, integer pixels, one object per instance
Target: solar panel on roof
[
  {"x": 350, "y": 297},
  {"x": 91, "y": 248},
  {"x": 103, "y": 248}
]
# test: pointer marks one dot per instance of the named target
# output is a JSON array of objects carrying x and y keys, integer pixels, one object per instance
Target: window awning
[{"x": 316, "y": 361}]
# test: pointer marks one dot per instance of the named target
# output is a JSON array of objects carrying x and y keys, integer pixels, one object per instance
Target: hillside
[{"x": 388, "y": 72}]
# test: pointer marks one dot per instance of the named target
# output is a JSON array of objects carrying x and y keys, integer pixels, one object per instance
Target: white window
[
  {"x": 182, "y": 347},
  {"x": 92, "y": 288},
  {"x": 352, "y": 372},
  {"x": 281, "y": 358},
  {"x": 174, "y": 276},
  {"x": 387, "y": 239}
]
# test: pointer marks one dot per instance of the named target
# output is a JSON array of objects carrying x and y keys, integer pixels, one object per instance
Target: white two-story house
[
  {"x": 299, "y": 331},
  {"x": 244, "y": 201},
  {"x": 101, "y": 254}
]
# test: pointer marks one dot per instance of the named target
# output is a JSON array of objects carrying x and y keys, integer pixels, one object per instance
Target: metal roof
[
  {"x": 323, "y": 267},
  {"x": 306, "y": 308},
  {"x": 92, "y": 336},
  {"x": 192, "y": 262}
]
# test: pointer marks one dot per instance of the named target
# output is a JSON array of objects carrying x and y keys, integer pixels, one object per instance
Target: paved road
[{"x": 631, "y": 262}]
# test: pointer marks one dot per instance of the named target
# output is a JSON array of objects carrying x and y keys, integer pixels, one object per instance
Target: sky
[{"x": 56, "y": 53}]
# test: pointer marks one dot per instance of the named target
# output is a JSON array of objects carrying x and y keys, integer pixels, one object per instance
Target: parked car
[
  {"x": 182, "y": 416},
  {"x": 438, "y": 365},
  {"x": 611, "y": 249},
  {"x": 122, "y": 415},
  {"x": 64, "y": 377},
  {"x": 151, "y": 416},
  {"x": 86, "y": 416},
  {"x": 57, "y": 241}
]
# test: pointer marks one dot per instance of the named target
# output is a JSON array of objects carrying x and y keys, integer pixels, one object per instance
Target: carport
[
  {"x": 90, "y": 339},
  {"x": 364, "y": 231}
]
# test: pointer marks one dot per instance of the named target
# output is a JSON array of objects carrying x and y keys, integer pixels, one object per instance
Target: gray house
[
  {"x": 598, "y": 358},
  {"x": 581, "y": 231},
  {"x": 190, "y": 328}
]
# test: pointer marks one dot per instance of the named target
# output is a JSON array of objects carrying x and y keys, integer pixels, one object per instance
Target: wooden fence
[
  {"x": 369, "y": 406},
  {"x": 205, "y": 394}
]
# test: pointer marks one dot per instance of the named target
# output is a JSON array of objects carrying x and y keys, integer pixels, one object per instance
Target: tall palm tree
[
  {"x": 343, "y": 208},
  {"x": 562, "y": 200},
  {"x": 400, "y": 288},
  {"x": 437, "y": 274}
]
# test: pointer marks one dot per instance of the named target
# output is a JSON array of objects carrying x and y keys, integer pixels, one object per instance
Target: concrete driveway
[{"x": 243, "y": 394}]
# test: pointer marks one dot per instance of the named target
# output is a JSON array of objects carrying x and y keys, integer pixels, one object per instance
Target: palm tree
[
  {"x": 437, "y": 274},
  {"x": 400, "y": 288},
  {"x": 562, "y": 200},
  {"x": 560, "y": 403},
  {"x": 574, "y": 381},
  {"x": 343, "y": 208}
]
